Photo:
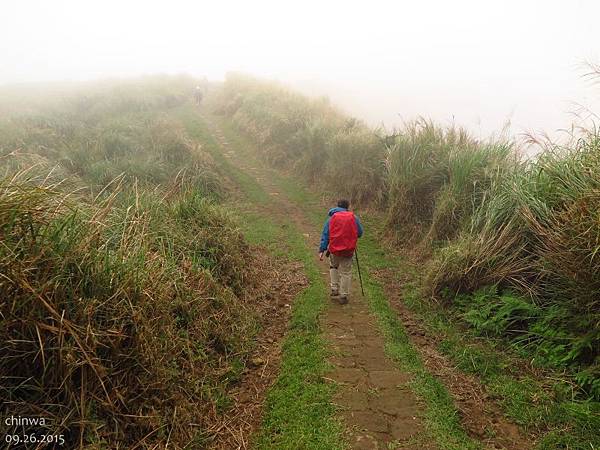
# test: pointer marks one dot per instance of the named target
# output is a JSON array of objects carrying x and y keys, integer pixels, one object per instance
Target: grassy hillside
[
  {"x": 126, "y": 288},
  {"x": 130, "y": 295},
  {"x": 511, "y": 247}
]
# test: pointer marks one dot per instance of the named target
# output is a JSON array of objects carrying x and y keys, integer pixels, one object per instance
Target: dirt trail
[
  {"x": 249, "y": 394},
  {"x": 379, "y": 410}
]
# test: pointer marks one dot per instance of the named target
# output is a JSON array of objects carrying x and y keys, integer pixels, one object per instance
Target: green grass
[{"x": 299, "y": 412}]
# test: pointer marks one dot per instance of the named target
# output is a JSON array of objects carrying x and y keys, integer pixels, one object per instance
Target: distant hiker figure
[
  {"x": 198, "y": 95},
  {"x": 338, "y": 240}
]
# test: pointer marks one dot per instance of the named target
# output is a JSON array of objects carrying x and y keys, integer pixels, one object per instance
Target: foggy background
[{"x": 479, "y": 64}]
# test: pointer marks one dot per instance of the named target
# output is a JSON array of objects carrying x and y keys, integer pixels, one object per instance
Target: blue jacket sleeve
[
  {"x": 359, "y": 226},
  {"x": 324, "y": 237}
]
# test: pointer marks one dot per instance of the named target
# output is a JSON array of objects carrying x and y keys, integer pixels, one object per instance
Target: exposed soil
[{"x": 271, "y": 298}]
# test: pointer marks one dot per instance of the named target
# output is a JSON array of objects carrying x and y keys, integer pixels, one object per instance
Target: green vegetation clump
[
  {"x": 125, "y": 310},
  {"x": 538, "y": 235},
  {"x": 437, "y": 177}
]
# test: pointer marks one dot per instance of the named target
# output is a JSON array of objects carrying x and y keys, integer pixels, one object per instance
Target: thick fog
[{"x": 477, "y": 63}]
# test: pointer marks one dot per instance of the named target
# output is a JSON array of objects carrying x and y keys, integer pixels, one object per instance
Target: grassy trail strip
[{"x": 376, "y": 370}]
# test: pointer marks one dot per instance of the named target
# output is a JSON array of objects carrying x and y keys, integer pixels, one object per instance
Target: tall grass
[
  {"x": 125, "y": 287},
  {"x": 436, "y": 177},
  {"x": 539, "y": 234},
  {"x": 119, "y": 316}
]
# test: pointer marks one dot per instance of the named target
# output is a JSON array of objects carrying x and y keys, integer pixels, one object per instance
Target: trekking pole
[{"x": 359, "y": 275}]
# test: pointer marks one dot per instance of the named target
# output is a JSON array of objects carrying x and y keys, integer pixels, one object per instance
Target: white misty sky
[{"x": 479, "y": 63}]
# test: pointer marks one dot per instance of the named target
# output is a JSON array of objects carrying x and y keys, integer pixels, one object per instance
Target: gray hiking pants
[{"x": 340, "y": 270}]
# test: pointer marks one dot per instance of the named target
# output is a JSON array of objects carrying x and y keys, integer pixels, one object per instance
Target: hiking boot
[{"x": 343, "y": 300}]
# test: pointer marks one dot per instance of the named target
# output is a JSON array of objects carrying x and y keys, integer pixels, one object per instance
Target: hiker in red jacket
[{"x": 340, "y": 233}]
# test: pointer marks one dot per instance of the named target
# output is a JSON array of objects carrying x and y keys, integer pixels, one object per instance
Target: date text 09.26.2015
[{"x": 34, "y": 438}]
